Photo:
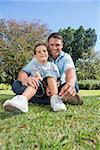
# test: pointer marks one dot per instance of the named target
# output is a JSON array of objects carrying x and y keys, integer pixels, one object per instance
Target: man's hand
[
  {"x": 67, "y": 90},
  {"x": 31, "y": 81}
]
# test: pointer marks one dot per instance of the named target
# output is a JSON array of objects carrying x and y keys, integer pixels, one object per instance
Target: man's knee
[{"x": 77, "y": 87}]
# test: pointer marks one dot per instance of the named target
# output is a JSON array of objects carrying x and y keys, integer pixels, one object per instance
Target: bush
[
  {"x": 88, "y": 67},
  {"x": 89, "y": 84},
  {"x": 5, "y": 86}
]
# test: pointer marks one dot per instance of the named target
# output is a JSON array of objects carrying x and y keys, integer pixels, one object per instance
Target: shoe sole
[
  {"x": 10, "y": 108},
  {"x": 59, "y": 110}
]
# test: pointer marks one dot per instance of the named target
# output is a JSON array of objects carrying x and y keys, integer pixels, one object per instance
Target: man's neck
[{"x": 54, "y": 57}]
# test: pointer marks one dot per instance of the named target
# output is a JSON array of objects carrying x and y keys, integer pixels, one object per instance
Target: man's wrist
[{"x": 71, "y": 83}]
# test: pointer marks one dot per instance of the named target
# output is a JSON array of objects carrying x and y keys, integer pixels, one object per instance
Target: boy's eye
[{"x": 44, "y": 50}]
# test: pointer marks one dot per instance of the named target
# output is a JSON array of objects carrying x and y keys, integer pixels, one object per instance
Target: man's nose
[{"x": 54, "y": 47}]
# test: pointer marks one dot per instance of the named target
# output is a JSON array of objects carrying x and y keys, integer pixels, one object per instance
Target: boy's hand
[{"x": 31, "y": 81}]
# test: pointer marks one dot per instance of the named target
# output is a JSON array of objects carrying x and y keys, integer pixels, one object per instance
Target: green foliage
[
  {"x": 43, "y": 129},
  {"x": 17, "y": 41},
  {"x": 68, "y": 38},
  {"x": 89, "y": 84},
  {"x": 78, "y": 41},
  {"x": 88, "y": 67},
  {"x": 3, "y": 77},
  {"x": 5, "y": 86}
]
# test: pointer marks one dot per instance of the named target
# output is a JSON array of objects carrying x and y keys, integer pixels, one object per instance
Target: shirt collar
[{"x": 60, "y": 56}]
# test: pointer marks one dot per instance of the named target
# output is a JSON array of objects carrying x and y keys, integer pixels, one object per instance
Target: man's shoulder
[{"x": 65, "y": 55}]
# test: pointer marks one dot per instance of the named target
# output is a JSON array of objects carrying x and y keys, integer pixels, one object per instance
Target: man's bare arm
[
  {"x": 69, "y": 88},
  {"x": 71, "y": 76}
]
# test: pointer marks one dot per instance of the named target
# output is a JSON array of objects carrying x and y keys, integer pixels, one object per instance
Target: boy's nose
[{"x": 42, "y": 52}]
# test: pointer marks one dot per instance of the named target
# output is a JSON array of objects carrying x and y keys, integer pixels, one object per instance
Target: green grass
[{"x": 41, "y": 129}]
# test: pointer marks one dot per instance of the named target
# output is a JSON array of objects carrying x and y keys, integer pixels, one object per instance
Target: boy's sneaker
[
  {"x": 17, "y": 104},
  {"x": 57, "y": 103},
  {"x": 74, "y": 100}
]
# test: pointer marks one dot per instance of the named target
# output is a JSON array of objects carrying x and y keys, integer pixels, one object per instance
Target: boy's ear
[{"x": 34, "y": 55}]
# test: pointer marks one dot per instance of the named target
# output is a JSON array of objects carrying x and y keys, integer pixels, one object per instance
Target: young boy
[{"x": 43, "y": 71}]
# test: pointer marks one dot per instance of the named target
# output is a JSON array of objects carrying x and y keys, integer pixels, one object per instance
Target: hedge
[{"x": 89, "y": 84}]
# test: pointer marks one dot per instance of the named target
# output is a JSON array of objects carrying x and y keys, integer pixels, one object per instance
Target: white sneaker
[
  {"x": 57, "y": 103},
  {"x": 17, "y": 104}
]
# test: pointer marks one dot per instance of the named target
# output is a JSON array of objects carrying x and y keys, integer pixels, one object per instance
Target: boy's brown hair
[{"x": 39, "y": 44}]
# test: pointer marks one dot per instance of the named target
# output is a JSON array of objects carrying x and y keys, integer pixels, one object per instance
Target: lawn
[{"x": 41, "y": 129}]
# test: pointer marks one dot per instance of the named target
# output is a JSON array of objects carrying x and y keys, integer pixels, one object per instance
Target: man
[
  {"x": 64, "y": 62},
  {"x": 68, "y": 88}
]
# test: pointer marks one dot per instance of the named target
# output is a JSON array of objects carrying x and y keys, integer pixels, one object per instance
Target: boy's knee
[{"x": 17, "y": 87}]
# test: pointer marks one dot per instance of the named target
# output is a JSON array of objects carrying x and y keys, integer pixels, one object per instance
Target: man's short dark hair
[{"x": 55, "y": 35}]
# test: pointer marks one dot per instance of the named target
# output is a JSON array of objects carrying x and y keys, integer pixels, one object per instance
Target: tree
[
  {"x": 17, "y": 41},
  {"x": 68, "y": 38},
  {"x": 78, "y": 41},
  {"x": 90, "y": 39}
]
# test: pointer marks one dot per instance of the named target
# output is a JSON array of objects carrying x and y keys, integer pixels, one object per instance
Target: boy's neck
[{"x": 43, "y": 62}]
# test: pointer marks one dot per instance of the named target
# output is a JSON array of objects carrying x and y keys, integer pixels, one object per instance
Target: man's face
[{"x": 55, "y": 46}]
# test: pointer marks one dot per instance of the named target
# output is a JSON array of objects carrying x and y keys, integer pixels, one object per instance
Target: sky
[{"x": 55, "y": 14}]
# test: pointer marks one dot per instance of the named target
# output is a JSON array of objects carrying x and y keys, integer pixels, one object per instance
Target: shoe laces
[{"x": 58, "y": 99}]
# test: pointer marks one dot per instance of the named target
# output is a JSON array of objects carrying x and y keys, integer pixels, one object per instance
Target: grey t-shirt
[{"x": 45, "y": 70}]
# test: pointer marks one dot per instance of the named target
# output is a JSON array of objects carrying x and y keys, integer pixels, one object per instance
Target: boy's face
[
  {"x": 55, "y": 46},
  {"x": 42, "y": 54}
]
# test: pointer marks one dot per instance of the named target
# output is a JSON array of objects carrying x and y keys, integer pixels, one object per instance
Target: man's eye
[{"x": 58, "y": 45}]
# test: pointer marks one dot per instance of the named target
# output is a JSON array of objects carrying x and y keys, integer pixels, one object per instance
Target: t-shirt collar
[{"x": 60, "y": 55}]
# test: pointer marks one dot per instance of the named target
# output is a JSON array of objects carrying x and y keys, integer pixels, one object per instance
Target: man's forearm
[{"x": 71, "y": 76}]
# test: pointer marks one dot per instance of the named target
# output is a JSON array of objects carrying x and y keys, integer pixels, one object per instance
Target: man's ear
[
  {"x": 48, "y": 49},
  {"x": 62, "y": 44}
]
